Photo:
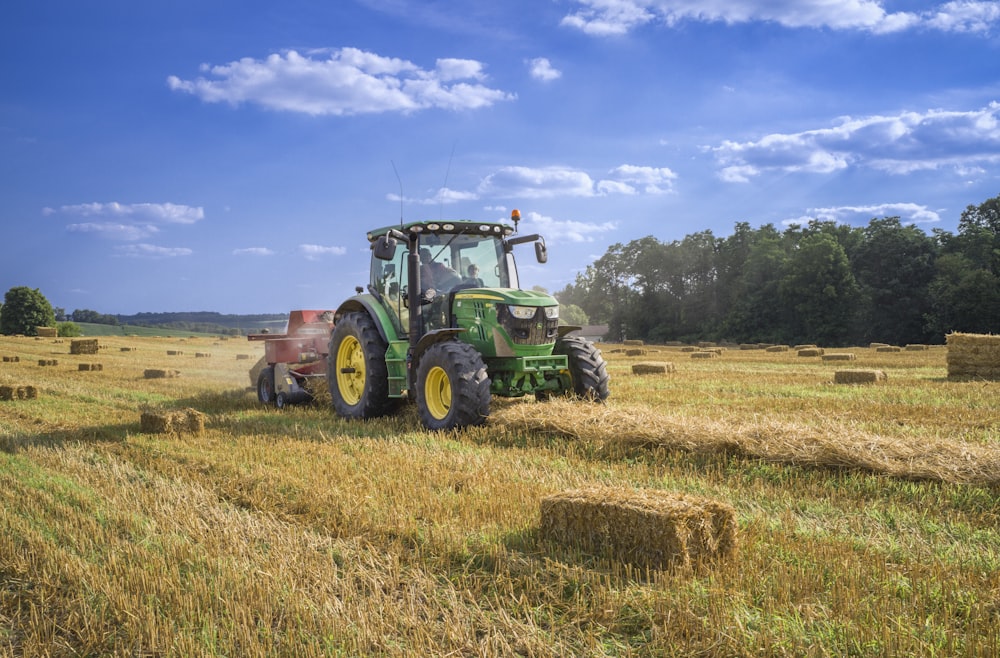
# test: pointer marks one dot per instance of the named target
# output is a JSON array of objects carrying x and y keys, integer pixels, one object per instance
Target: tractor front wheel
[
  {"x": 453, "y": 389},
  {"x": 356, "y": 369},
  {"x": 588, "y": 372}
]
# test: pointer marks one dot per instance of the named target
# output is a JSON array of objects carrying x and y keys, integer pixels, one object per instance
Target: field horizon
[{"x": 868, "y": 514}]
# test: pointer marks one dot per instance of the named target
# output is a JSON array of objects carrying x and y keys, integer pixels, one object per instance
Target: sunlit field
[{"x": 869, "y": 515}]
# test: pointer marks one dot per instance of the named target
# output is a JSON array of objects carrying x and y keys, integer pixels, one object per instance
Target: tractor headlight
[
  {"x": 552, "y": 312},
  {"x": 522, "y": 312}
]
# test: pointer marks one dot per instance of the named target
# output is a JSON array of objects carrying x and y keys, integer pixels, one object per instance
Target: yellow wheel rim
[
  {"x": 351, "y": 370},
  {"x": 437, "y": 393}
]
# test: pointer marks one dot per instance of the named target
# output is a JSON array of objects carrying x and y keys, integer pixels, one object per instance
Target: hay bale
[
  {"x": 244, "y": 357},
  {"x": 973, "y": 356},
  {"x": 858, "y": 376},
  {"x": 18, "y": 393},
  {"x": 153, "y": 373},
  {"x": 47, "y": 332},
  {"x": 645, "y": 527},
  {"x": 6, "y": 392},
  {"x": 811, "y": 351},
  {"x": 807, "y": 346},
  {"x": 635, "y": 352},
  {"x": 840, "y": 356},
  {"x": 11, "y": 359},
  {"x": 689, "y": 348},
  {"x": 707, "y": 354},
  {"x": 633, "y": 343},
  {"x": 888, "y": 348},
  {"x": 652, "y": 368},
  {"x": 84, "y": 346},
  {"x": 777, "y": 348},
  {"x": 190, "y": 421},
  {"x": 875, "y": 346},
  {"x": 93, "y": 367},
  {"x": 201, "y": 355},
  {"x": 174, "y": 353},
  {"x": 913, "y": 347},
  {"x": 705, "y": 344},
  {"x": 48, "y": 362},
  {"x": 126, "y": 349}
]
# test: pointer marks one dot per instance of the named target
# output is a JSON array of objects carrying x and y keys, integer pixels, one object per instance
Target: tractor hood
[{"x": 507, "y": 322}]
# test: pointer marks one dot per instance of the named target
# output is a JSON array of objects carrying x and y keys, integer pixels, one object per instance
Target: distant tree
[
  {"x": 60, "y": 313},
  {"x": 572, "y": 314},
  {"x": 23, "y": 310},
  {"x": 69, "y": 329}
]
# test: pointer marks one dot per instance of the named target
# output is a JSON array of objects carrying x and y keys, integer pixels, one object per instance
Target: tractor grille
[{"x": 538, "y": 330}]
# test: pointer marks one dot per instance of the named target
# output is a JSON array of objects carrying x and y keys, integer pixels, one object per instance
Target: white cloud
[
  {"x": 342, "y": 82},
  {"x": 143, "y": 250},
  {"x": 548, "y": 182},
  {"x": 161, "y": 213},
  {"x": 901, "y": 144},
  {"x": 253, "y": 251},
  {"x": 443, "y": 196},
  {"x": 128, "y": 232},
  {"x": 617, "y": 17},
  {"x": 556, "y": 230},
  {"x": 541, "y": 69},
  {"x": 913, "y": 212},
  {"x": 315, "y": 251}
]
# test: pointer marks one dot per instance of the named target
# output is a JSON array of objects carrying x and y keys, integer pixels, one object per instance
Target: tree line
[{"x": 824, "y": 283}]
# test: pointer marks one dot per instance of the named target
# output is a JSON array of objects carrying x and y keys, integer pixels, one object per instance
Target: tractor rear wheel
[
  {"x": 265, "y": 386},
  {"x": 588, "y": 372},
  {"x": 453, "y": 389},
  {"x": 356, "y": 371}
]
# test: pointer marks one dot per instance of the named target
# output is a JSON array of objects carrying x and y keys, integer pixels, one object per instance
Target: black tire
[
  {"x": 453, "y": 388},
  {"x": 356, "y": 371},
  {"x": 265, "y": 386},
  {"x": 587, "y": 369}
]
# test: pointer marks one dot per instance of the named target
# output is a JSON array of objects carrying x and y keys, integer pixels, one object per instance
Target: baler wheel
[{"x": 265, "y": 386}]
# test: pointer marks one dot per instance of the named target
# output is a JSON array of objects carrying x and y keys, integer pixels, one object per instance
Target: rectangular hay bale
[
  {"x": 154, "y": 373},
  {"x": 973, "y": 356},
  {"x": 644, "y": 527},
  {"x": 176, "y": 422},
  {"x": 84, "y": 346},
  {"x": 652, "y": 368},
  {"x": 705, "y": 354},
  {"x": 858, "y": 376},
  {"x": 840, "y": 356},
  {"x": 811, "y": 351}
]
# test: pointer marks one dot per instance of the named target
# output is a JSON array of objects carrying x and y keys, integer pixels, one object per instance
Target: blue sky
[{"x": 229, "y": 155}]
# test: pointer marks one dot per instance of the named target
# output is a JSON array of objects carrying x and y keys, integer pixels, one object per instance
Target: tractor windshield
[{"x": 450, "y": 261}]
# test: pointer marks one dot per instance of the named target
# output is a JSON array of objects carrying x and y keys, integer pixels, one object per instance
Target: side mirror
[
  {"x": 385, "y": 247},
  {"x": 541, "y": 252}
]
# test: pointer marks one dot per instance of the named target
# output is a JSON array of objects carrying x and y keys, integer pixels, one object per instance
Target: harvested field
[{"x": 294, "y": 532}]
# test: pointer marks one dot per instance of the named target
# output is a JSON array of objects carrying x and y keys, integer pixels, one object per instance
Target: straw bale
[
  {"x": 689, "y": 348},
  {"x": 176, "y": 422},
  {"x": 875, "y": 346},
  {"x": 635, "y": 352},
  {"x": 6, "y": 392},
  {"x": 47, "y": 332},
  {"x": 806, "y": 346},
  {"x": 633, "y": 343},
  {"x": 973, "y": 356},
  {"x": 840, "y": 356},
  {"x": 810, "y": 351},
  {"x": 153, "y": 373},
  {"x": 18, "y": 392},
  {"x": 777, "y": 348},
  {"x": 652, "y": 368},
  {"x": 242, "y": 357},
  {"x": 858, "y": 376},
  {"x": 913, "y": 347},
  {"x": 705, "y": 343},
  {"x": 202, "y": 355},
  {"x": 888, "y": 349},
  {"x": 174, "y": 353},
  {"x": 127, "y": 349},
  {"x": 646, "y": 527},
  {"x": 707, "y": 354},
  {"x": 91, "y": 366},
  {"x": 11, "y": 359},
  {"x": 84, "y": 346},
  {"x": 48, "y": 362}
]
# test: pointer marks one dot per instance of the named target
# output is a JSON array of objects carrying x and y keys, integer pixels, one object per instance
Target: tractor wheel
[
  {"x": 588, "y": 372},
  {"x": 453, "y": 389},
  {"x": 265, "y": 386},
  {"x": 356, "y": 369},
  {"x": 280, "y": 401}
]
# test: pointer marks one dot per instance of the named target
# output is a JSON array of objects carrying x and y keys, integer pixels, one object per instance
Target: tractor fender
[
  {"x": 368, "y": 304},
  {"x": 432, "y": 338},
  {"x": 567, "y": 328}
]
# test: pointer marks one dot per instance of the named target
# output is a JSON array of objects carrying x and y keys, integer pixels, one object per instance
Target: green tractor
[{"x": 445, "y": 324}]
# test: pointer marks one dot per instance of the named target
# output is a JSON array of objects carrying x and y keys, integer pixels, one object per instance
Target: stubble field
[{"x": 869, "y": 515}]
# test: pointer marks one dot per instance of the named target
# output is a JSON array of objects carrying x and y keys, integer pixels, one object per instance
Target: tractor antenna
[
  {"x": 446, "y": 174},
  {"x": 400, "y": 193}
]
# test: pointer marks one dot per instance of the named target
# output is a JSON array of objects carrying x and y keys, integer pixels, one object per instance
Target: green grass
[{"x": 298, "y": 533}]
